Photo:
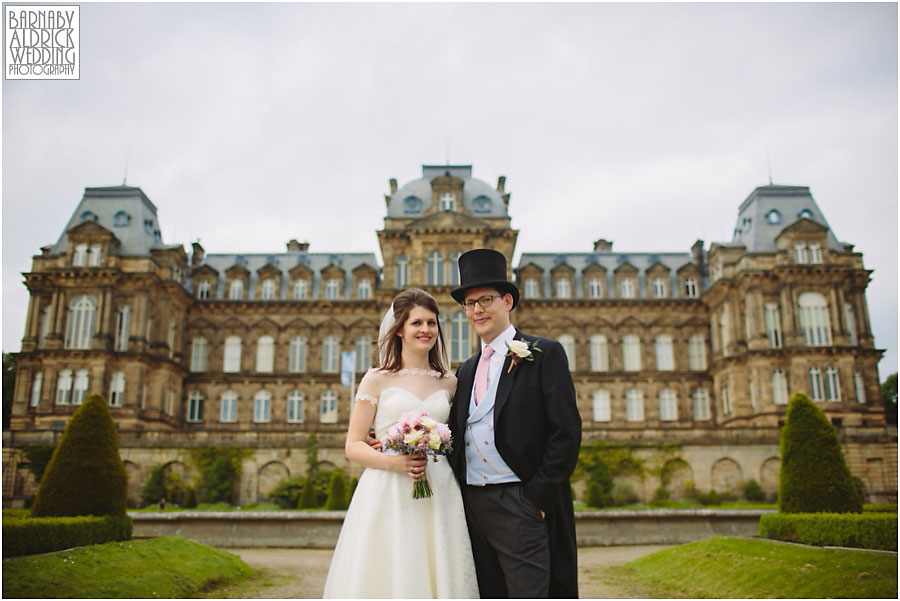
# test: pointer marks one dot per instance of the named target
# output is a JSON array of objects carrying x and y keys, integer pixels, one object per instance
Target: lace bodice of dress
[{"x": 407, "y": 390}]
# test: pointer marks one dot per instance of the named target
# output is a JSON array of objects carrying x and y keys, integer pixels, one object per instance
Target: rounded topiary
[
  {"x": 337, "y": 492},
  {"x": 307, "y": 495},
  {"x": 86, "y": 475},
  {"x": 594, "y": 496},
  {"x": 814, "y": 476},
  {"x": 753, "y": 491}
]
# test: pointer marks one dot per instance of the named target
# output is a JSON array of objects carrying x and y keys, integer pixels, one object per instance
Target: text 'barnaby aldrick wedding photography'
[{"x": 42, "y": 42}]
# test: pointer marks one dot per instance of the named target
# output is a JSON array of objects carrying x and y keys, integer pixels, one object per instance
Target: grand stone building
[{"x": 701, "y": 348}]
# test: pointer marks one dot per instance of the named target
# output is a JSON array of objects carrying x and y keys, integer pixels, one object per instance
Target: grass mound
[
  {"x": 165, "y": 567},
  {"x": 728, "y": 567}
]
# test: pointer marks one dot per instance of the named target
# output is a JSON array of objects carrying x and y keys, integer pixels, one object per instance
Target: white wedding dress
[{"x": 394, "y": 546}]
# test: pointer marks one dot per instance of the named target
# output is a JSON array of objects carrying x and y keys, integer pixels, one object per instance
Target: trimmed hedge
[
  {"x": 43, "y": 535},
  {"x": 865, "y": 531},
  {"x": 880, "y": 507}
]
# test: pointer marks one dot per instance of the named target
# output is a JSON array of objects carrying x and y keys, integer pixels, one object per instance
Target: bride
[{"x": 391, "y": 545}]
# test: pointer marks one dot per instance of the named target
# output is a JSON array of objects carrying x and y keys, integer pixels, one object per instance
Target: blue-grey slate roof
[{"x": 472, "y": 189}]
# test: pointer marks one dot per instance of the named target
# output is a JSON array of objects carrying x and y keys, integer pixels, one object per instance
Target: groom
[{"x": 517, "y": 432}]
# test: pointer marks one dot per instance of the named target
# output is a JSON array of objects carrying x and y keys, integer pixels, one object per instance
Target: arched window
[
  {"x": 268, "y": 289},
  {"x": 773, "y": 217},
  {"x": 80, "y": 255},
  {"x": 668, "y": 405},
  {"x": 199, "y": 354},
  {"x": 195, "y": 407},
  {"x": 121, "y": 219},
  {"x": 532, "y": 288},
  {"x": 602, "y": 411},
  {"x": 664, "y": 357},
  {"x": 228, "y": 413},
  {"x": 63, "y": 387},
  {"x": 236, "y": 290},
  {"x": 700, "y": 404},
  {"x": 328, "y": 411},
  {"x": 265, "y": 354},
  {"x": 402, "y": 271},
  {"x": 634, "y": 405},
  {"x": 81, "y": 387},
  {"x": 412, "y": 204},
  {"x": 297, "y": 355},
  {"x": 434, "y": 269},
  {"x": 330, "y": 354},
  {"x": 595, "y": 288},
  {"x": 779, "y": 388},
  {"x": 232, "y": 361},
  {"x": 599, "y": 353},
  {"x": 94, "y": 255},
  {"x": 697, "y": 353},
  {"x": 80, "y": 328},
  {"x": 454, "y": 268},
  {"x": 117, "y": 389},
  {"x": 262, "y": 407},
  {"x": 660, "y": 290},
  {"x": 631, "y": 352},
  {"x": 481, "y": 204},
  {"x": 568, "y": 343},
  {"x": 814, "y": 319},
  {"x": 295, "y": 407},
  {"x": 460, "y": 347},
  {"x": 363, "y": 350},
  {"x": 88, "y": 216},
  {"x": 123, "y": 325},
  {"x": 38, "y": 380}
]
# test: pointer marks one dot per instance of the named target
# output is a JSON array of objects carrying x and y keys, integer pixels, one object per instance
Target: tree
[
  {"x": 155, "y": 487},
  {"x": 594, "y": 496},
  {"x": 218, "y": 480},
  {"x": 337, "y": 492},
  {"x": 889, "y": 395},
  {"x": 9, "y": 386},
  {"x": 814, "y": 476},
  {"x": 86, "y": 475},
  {"x": 308, "y": 496}
]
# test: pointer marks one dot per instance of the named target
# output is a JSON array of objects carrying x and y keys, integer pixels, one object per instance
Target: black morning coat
[{"x": 537, "y": 430}]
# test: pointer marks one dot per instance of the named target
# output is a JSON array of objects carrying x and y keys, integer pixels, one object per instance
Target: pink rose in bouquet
[{"x": 417, "y": 434}]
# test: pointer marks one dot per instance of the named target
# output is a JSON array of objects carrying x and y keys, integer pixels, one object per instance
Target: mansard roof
[
  {"x": 287, "y": 261},
  {"x": 472, "y": 188},
  {"x": 608, "y": 260},
  {"x": 769, "y": 210},
  {"x": 125, "y": 211}
]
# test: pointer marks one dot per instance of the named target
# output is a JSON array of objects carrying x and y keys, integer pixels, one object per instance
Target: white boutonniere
[{"x": 519, "y": 351}]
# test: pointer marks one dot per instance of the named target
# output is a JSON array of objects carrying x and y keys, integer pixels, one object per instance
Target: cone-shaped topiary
[
  {"x": 86, "y": 475},
  {"x": 307, "y": 495},
  {"x": 594, "y": 496},
  {"x": 337, "y": 492},
  {"x": 814, "y": 476}
]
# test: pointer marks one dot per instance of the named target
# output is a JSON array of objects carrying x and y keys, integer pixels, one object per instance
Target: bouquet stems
[{"x": 421, "y": 489}]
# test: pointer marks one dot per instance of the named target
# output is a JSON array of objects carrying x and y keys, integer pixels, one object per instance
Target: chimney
[
  {"x": 293, "y": 245},
  {"x": 697, "y": 256},
  {"x": 501, "y": 184},
  {"x": 602, "y": 245},
  {"x": 197, "y": 253},
  {"x": 393, "y": 183}
]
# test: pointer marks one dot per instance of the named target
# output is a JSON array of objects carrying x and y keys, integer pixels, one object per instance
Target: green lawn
[
  {"x": 730, "y": 567},
  {"x": 165, "y": 567}
]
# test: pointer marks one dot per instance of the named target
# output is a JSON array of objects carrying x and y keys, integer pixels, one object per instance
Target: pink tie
[{"x": 481, "y": 378}]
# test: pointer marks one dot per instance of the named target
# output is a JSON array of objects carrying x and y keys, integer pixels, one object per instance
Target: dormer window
[
  {"x": 94, "y": 255},
  {"x": 448, "y": 201},
  {"x": 815, "y": 252},
  {"x": 805, "y": 214},
  {"x": 88, "y": 216},
  {"x": 800, "y": 253},
  {"x": 412, "y": 204},
  {"x": 203, "y": 289},
  {"x": 121, "y": 219},
  {"x": 80, "y": 255},
  {"x": 148, "y": 226},
  {"x": 481, "y": 204},
  {"x": 773, "y": 217}
]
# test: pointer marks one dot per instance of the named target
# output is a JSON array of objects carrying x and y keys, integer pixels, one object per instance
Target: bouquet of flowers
[{"x": 417, "y": 434}]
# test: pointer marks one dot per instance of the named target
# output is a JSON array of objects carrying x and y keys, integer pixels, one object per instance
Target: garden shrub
[
  {"x": 219, "y": 480},
  {"x": 710, "y": 498},
  {"x": 866, "y": 531},
  {"x": 43, "y": 535},
  {"x": 814, "y": 476},
  {"x": 353, "y": 484},
  {"x": 307, "y": 496},
  {"x": 753, "y": 491},
  {"x": 190, "y": 500},
  {"x": 155, "y": 487},
  {"x": 594, "y": 496},
  {"x": 880, "y": 507},
  {"x": 86, "y": 475},
  {"x": 38, "y": 459},
  {"x": 622, "y": 494},
  {"x": 337, "y": 492},
  {"x": 287, "y": 492}
]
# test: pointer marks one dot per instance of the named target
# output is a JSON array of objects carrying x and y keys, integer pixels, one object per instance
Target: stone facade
[{"x": 701, "y": 348}]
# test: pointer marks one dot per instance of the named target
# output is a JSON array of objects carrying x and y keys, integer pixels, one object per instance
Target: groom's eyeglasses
[{"x": 484, "y": 301}]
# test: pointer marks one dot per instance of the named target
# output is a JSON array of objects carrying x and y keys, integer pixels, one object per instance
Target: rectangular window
[
  {"x": 697, "y": 353},
  {"x": 363, "y": 354},
  {"x": 664, "y": 358},
  {"x": 563, "y": 288},
  {"x": 36, "y": 389},
  {"x": 328, "y": 411},
  {"x": 203, "y": 289},
  {"x": 815, "y": 384},
  {"x": 700, "y": 404},
  {"x": 860, "y": 388},
  {"x": 330, "y": 354},
  {"x": 634, "y": 405},
  {"x": 815, "y": 253},
  {"x": 773, "y": 325},
  {"x": 301, "y": 289},
  {"x": 228, "y": 412},
  {"x": 851, "y": 324},
  {"x": 199, "y": 352},
  {"x": 601, "y": 407},
  {"x": 779, "y": 388},
  {"x": 297, "y": 355},
  {"x": 402, "y": 272},
  {"x": 236, "y": 290},
  {"x": 332, "y": 289},
  {"x": 123, "y": 323},
  {"x": 659, "y": 288},
  {"x": 690, "y": 287},
  {"x": 170, "y": 402},
  {"x": 117, "y": 389},
  {"x": 81, "y": 387},
  {"x": 832, "y": 384},
  {"x": 364, "y": 289},
  {"x": 195, "y": 407},
  {"x": 595, "y": 288},
  {"x": 626, "y": 288},
  {"x": 800, "y": 254},
  {"x": 94, "y": 256},
  {"x": 268, "y": 289},
  {"x": 531, "y": 288},
  {"x": 295, "y": 407},
  {"x": 727, "y": 409},
  {"x": 668, "y": 405},
  {"x": 599, "y": 353},
  {"x": 631, "y": 352},
  {"x": 262, "y": 407}
]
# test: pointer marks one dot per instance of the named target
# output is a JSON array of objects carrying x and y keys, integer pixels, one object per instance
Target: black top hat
[{"x": 483, "y": 268}]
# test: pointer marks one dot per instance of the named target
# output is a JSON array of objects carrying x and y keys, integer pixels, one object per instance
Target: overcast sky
[{"x": 646, "y": 124}]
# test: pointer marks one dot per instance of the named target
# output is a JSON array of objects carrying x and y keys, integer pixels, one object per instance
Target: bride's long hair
[{"x": 390, "y": 345}]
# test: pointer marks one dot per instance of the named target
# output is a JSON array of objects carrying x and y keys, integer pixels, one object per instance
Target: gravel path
[{"x": 300, "y": 573}]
